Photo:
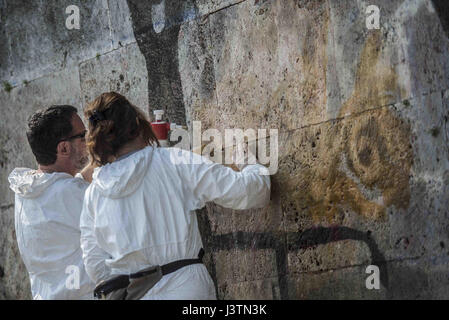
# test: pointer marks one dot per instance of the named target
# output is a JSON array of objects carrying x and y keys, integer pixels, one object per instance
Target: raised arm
[{"x": 210, "y": 181}]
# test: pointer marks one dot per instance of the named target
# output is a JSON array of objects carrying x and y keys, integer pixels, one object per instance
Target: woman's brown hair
[{"x": 113, "y": 122}]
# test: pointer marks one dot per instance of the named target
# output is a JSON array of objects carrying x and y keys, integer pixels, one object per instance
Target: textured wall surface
[{"x": 362, "y": 116}]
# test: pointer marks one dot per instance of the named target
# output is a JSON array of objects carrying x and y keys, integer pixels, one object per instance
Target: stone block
[
  {"x": 122, "y": 70},
  {"x": 39, "y": 42}
]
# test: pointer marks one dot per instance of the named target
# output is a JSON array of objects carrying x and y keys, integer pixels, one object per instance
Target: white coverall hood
[
  {"x": 117, "y": 181},
  {"x": 27, "y": 183}
]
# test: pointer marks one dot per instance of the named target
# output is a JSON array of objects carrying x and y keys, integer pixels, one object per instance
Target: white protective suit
[
  {"x": 139, "y": 212},
  {"x": 47, "y": 217}
]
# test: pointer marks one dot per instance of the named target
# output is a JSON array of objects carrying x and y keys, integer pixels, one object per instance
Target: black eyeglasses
[{"x": 81, "y": 135}]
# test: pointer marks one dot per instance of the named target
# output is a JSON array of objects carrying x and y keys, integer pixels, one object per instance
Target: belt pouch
[{"x": 141, "y": 282}]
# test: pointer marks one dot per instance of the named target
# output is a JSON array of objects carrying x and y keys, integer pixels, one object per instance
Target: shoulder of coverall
[
  {"x": 122, "y": 177},
  {"x": 28, "y": 183}
]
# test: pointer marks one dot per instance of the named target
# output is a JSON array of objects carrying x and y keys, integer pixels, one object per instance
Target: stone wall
[{"x": 362, "y": 115}]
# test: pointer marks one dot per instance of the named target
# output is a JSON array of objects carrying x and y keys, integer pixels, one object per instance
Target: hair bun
[{"x": 96, "y": 117}]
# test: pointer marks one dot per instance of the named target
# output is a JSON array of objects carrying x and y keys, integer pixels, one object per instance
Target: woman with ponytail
[{"x": 139, "y": 231}]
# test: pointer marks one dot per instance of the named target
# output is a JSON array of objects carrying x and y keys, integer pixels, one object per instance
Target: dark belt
[{"x": 123, "y": 281}]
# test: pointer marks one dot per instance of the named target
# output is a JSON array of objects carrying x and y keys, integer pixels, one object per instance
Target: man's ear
[{"x": 64, "y": 149}]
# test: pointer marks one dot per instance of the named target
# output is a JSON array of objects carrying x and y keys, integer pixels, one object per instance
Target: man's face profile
[{"x": 79, "y": 154}]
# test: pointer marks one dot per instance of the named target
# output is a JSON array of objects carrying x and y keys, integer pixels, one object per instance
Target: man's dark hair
[{"x": 46, "y": 128}]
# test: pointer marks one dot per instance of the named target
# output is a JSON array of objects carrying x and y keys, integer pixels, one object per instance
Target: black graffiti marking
[
  {"x": 442, "y": 8},
  {"x": 161, "y": 53},
  {"x": 283, "y": 243}
]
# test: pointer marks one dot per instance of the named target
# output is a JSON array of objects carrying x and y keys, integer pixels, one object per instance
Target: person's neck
[
  {"x": 137, "y": 144},
  {"x": 56, "y": 168}
]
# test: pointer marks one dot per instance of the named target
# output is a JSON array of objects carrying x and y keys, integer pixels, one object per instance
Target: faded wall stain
[
  {"x": 266, "y": 69},
  {"x": 360, "y": 163}
]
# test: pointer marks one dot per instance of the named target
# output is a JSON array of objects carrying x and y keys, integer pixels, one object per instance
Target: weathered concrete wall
[{"x": 362, "y": 117}]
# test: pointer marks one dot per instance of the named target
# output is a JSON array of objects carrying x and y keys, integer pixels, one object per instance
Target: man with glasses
[{"x": 48, "y": 204}]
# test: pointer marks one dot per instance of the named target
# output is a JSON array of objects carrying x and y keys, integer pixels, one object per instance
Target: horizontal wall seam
[
  {"x": 356, "y": 114},
  {"x": 78, "y": 64},
  {"x": 317, "y": 272},
  {"x": 225, "y": 282},
  {"x": 6, "y": 206},
  {"x": 196, "y": 17},
  {"x": 107, "y": 52},
  {"x": 357, "y": 265},
  {"x": 226, "y": 7}
]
